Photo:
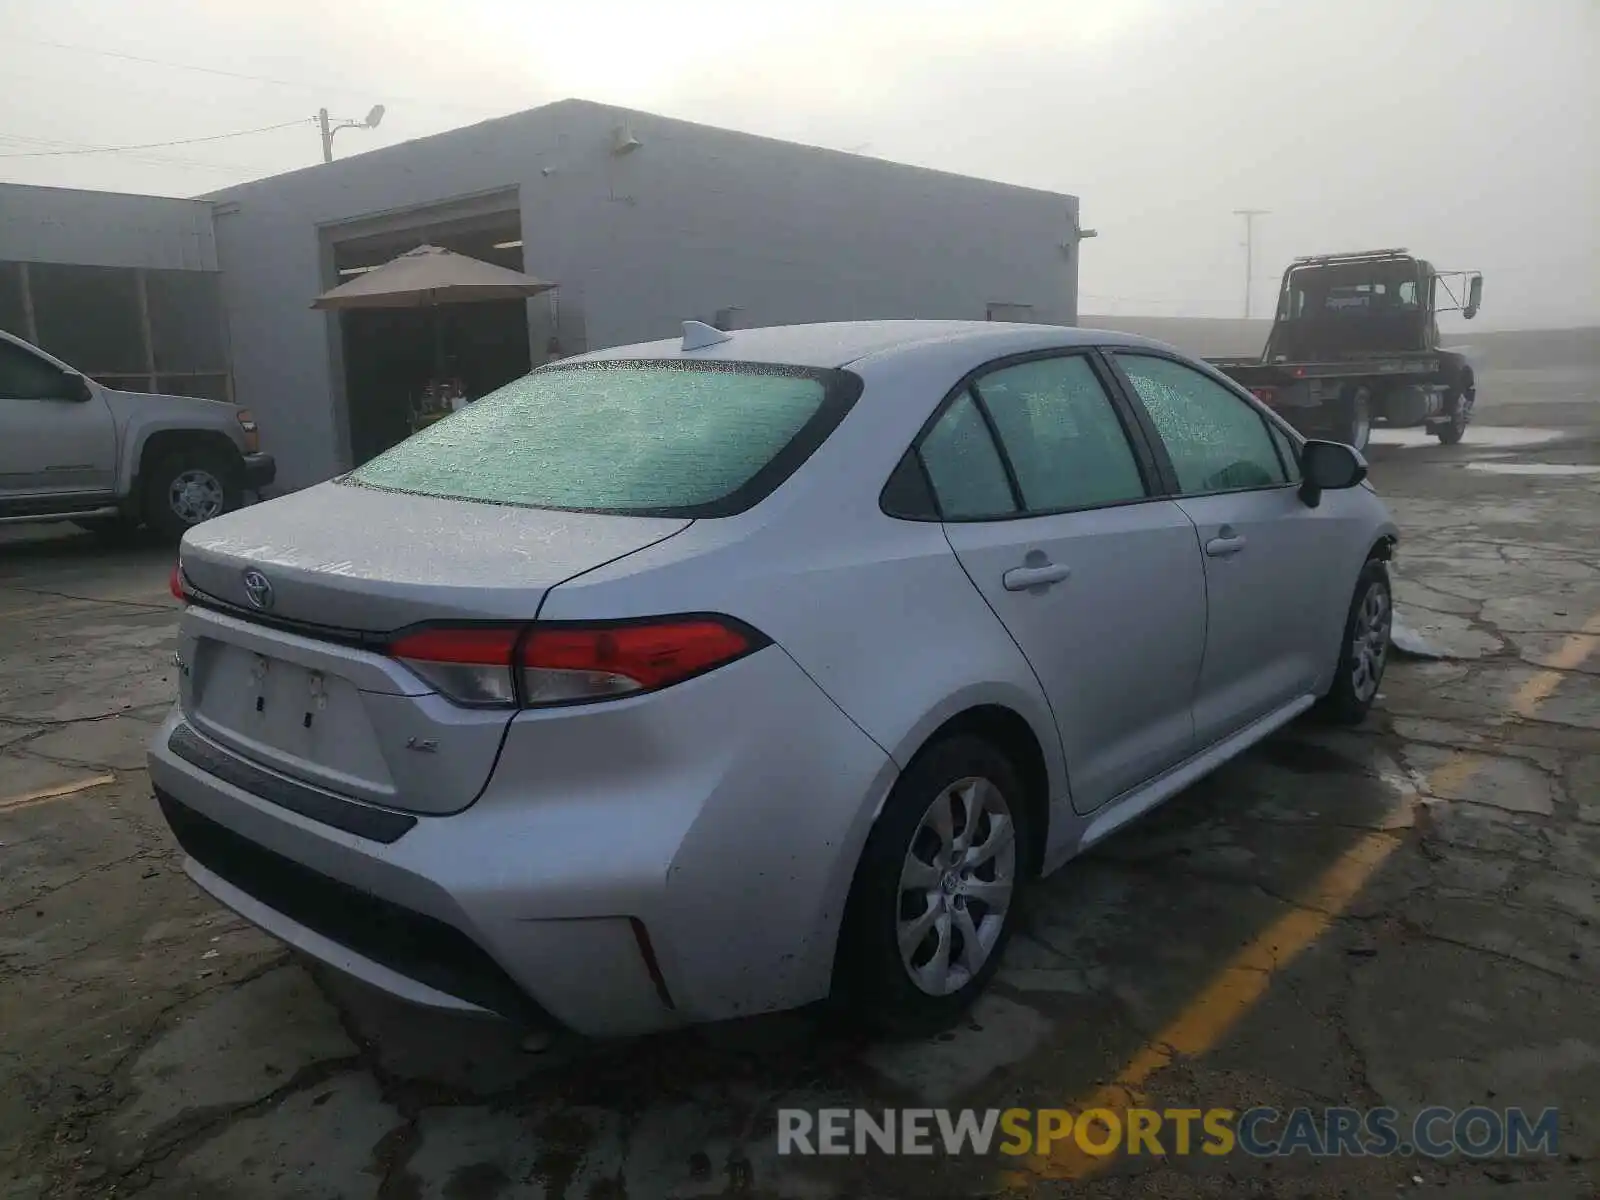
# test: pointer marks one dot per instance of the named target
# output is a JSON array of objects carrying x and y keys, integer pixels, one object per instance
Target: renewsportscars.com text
[{"x": 1259, "y": 1132}]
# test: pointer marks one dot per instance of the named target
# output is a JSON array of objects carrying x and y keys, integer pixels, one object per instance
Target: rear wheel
[
  {"x": 1354, "y": 424},
  {"x": 186, "y": 487},
  {"x": 1364, "y": 651},
  {"x": 935, "y": 896},
  {"x": 1459, "y": 405}
]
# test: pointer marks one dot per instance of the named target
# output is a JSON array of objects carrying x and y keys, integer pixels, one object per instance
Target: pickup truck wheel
[
  {"x": 187, "y": 487},
  {"x": 1354, "y": 424}
]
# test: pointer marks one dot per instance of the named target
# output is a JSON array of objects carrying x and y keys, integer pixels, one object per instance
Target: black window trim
[
  {"x": 840, "y": 391},
  {"x": 1169, "y": 473},
  {"x": 1128, "y": 418}
]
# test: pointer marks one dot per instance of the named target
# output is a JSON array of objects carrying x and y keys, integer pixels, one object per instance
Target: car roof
[{"x": 840, "y": 343}]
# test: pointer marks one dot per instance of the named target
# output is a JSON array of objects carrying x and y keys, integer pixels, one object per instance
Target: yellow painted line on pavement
[
  {"x": 61, "y": 790},
  {"x": 1569, "y": 656},
  {"x": 1236, "y": 988}
]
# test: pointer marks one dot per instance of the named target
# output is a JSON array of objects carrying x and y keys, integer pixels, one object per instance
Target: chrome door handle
[
  {"x": 1020, "y": 579},
  {"x": 1222, "y": 547}
]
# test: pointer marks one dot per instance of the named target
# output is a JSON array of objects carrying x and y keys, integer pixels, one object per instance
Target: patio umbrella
[{"x": 426, "y": 278}]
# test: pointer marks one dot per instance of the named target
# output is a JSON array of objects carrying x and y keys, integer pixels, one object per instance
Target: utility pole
[
  {"x": 329, "y": 127},
  {"x": 1249, "y": 215}
]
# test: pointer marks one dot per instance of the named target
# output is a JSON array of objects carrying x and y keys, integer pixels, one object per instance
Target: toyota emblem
[{"x": 258, "y": 589}]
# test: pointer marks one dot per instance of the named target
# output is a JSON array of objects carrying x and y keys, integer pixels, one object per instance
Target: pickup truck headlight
[{"x": 252, "y": 437}]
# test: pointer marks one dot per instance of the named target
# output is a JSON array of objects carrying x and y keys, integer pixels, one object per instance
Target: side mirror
[
  {"x": 1474, "y": 297},
  {"x": 75, "y": 387},
  {"x": 1329, "y": 467}
]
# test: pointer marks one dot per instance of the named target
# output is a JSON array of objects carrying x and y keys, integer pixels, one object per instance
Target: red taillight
[
  {"x": 561, "y": 664},
  {"x": 566, "y": 664},
  {"x": 1264, "y": 394},
  {"x": 470, "y": 665},
  {"x": 479, "y": 646},
  {"x": 175, "y": 583}
]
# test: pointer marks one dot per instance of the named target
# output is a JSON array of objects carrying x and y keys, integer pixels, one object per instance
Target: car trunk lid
[
  {"x": 283, "y": 659},
  {"x": 358, "y": 559}
]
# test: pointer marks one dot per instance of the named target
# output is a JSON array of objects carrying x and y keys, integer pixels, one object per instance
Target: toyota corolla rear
[{"x": 382, "y": 754}]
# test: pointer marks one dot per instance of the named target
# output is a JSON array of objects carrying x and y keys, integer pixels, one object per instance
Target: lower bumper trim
[{"x": 412, "y": 944}]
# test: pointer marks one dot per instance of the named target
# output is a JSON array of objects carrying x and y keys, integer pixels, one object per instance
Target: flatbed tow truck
[{"x": 1356, "y": 341}]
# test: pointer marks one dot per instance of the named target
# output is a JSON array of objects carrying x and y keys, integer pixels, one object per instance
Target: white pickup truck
[{"x": 72, "y": 450}]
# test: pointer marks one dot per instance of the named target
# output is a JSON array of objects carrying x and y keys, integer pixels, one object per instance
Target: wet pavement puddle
[
  {"x": 1534, "y": 468},
  {"x": 1479, "y": 437}
]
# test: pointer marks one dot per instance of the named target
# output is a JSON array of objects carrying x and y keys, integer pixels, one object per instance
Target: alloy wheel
[
  {"x": 1369, "y": 643},
  {"x": 956, "y": 886}
]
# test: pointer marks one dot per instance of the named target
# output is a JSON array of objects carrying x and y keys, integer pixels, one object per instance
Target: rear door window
[
  {"x": 655, "y": 438},
  {"x": 1059, "y": 429}
]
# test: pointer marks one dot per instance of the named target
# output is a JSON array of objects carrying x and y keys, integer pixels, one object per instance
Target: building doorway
[{"x": 391, "y": 356}]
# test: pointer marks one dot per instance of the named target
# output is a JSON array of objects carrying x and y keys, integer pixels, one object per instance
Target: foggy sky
[{"x": 1468, "y": 130}]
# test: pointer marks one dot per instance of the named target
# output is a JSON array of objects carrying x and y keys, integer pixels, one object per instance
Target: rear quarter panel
[{"x": 876, "y": 611}]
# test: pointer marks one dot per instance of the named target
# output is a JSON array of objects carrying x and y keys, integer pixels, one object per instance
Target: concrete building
[{"x": 643, "y": 222}]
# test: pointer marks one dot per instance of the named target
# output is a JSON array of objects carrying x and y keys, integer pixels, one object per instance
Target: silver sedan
[{"x": 723, "y": 675}]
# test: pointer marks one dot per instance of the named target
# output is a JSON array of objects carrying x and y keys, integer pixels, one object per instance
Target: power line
[
  {"x": 476, "y": 110},
  {"x": 215, "y": 137},
  {"x": 149, "y": 159}
]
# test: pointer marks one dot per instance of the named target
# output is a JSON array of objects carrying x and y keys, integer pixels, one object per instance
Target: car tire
[
  {"x": 892, "y": 896},
  {"x": 1364, "y": 648},
  {"x": 187, "y": 487},
  {"x": 1354, "y": 425}
]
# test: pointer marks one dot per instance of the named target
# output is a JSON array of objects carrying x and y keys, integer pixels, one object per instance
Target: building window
[{"x": 136, "y": 330}]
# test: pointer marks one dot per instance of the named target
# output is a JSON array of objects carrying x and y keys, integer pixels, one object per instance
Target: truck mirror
[{"x": 1474, "y": 297}]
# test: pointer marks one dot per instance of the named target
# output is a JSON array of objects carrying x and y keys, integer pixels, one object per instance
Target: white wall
[
  {"x": 694, "y": 220},
  {"x": 104, "y": 229}
]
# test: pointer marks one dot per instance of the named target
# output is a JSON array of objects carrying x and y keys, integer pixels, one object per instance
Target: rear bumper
[
  {"x": 680, "y": 857},
  {"x": 260, "y": 469}
]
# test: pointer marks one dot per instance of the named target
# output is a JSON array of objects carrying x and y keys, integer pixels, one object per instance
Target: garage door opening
[{"x": 403, "y": 366}]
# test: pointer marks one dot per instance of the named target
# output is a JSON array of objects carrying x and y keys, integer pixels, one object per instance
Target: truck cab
[{"x": 1342, "y": 307}]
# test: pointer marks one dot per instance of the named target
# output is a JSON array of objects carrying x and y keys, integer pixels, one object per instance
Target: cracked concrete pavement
[{"x": 153, "y": 1045}]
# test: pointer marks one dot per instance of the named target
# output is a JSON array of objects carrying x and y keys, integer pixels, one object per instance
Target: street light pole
[
  {"x": 1249, "y": 215},
  {"x": 330, "y": 127}
]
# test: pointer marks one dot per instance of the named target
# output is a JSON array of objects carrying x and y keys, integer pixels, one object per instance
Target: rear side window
[
  {"x": 1062, "y": 435},
  {"x": 968, "y": 477},
  {"x": 650, "y": 438}
]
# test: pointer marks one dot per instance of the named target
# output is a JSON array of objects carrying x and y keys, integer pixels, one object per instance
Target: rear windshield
[{"x": 649, "y": 438}]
